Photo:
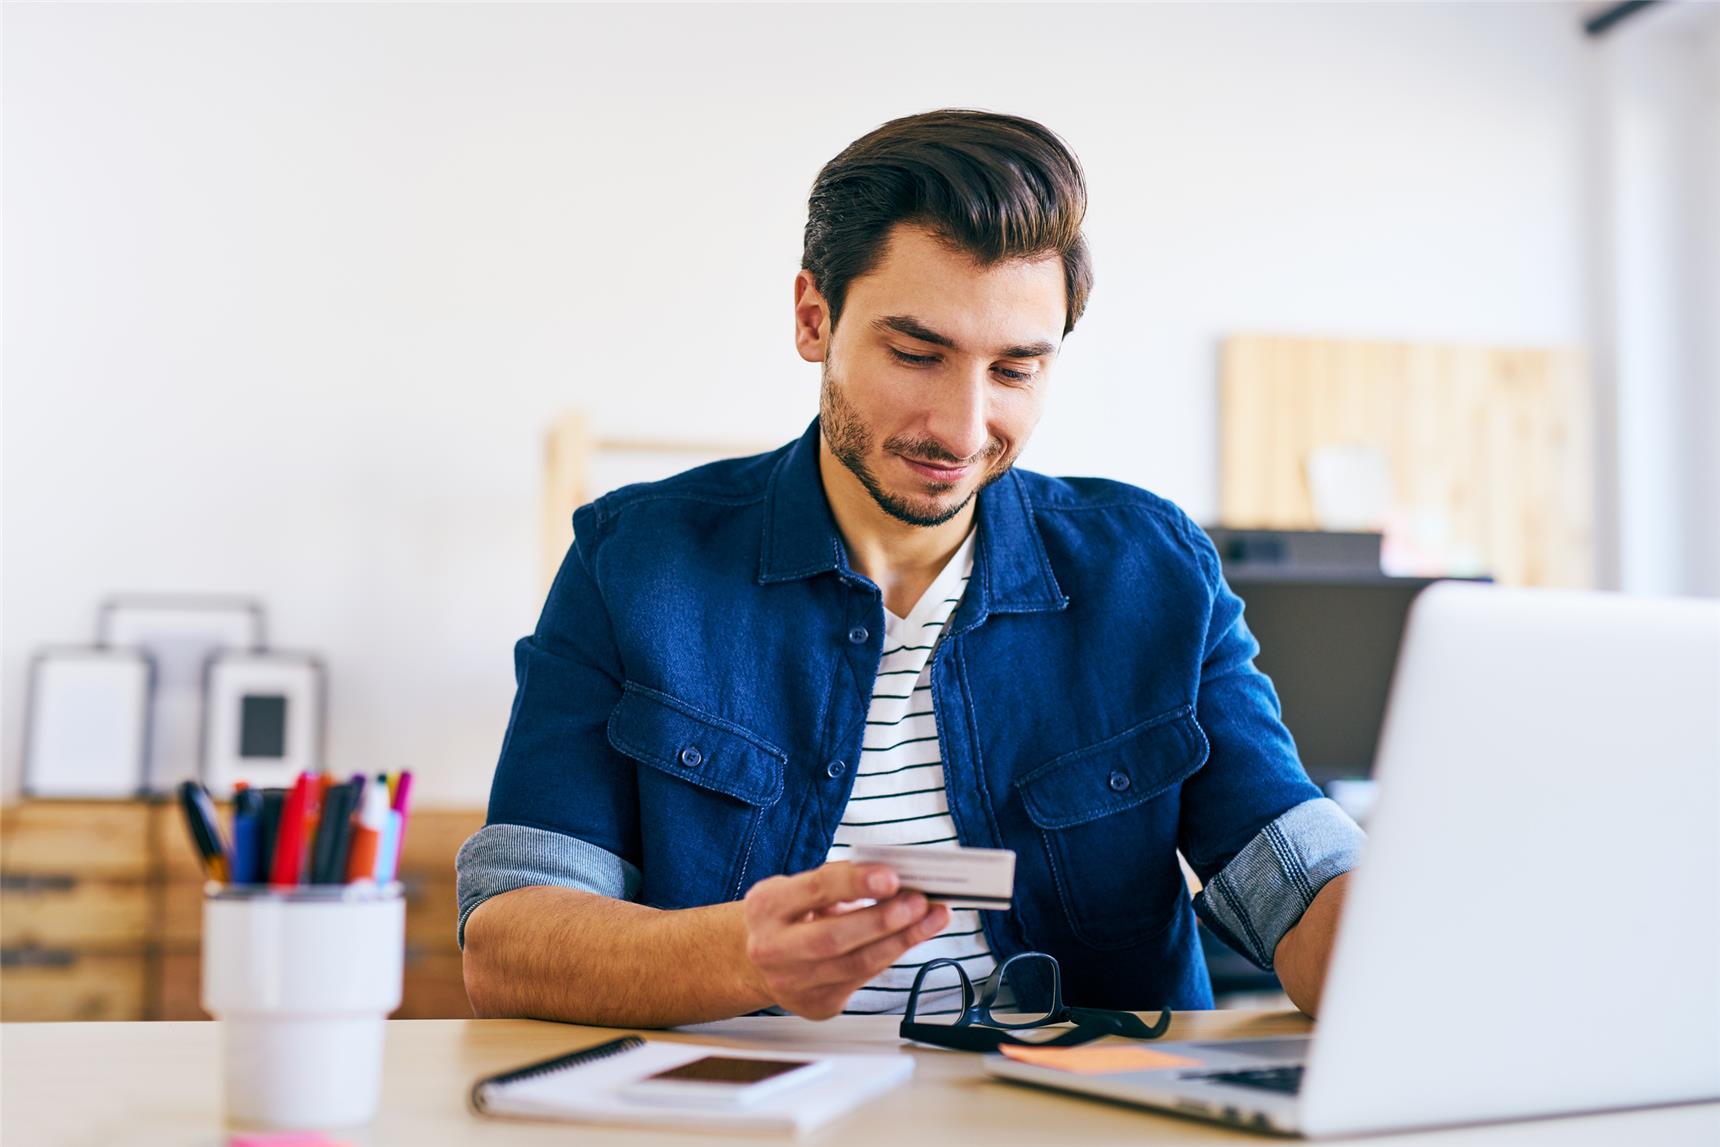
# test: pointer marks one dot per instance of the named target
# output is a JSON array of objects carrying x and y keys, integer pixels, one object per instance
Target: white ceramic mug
[{"x": 302, "y": 980}]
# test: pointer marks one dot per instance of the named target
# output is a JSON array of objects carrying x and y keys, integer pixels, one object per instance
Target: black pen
[{"x": 205, "y": 833}]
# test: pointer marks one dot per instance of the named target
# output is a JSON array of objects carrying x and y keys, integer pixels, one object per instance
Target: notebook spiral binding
[{"x": 577, "y": 1058}]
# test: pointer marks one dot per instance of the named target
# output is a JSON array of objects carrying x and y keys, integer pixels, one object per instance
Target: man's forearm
[
  {"x": 1302, "y": 955},
  {"x": 562, "y": 954}
]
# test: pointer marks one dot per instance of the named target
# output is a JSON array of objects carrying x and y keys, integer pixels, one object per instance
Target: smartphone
[{"x": 723, "y": 1081}]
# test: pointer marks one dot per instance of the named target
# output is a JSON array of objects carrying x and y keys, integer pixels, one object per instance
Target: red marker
[{"x": 290, "y": 837}]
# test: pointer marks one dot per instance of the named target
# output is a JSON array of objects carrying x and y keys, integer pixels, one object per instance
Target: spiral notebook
[{"x": 584, "y": 1086}]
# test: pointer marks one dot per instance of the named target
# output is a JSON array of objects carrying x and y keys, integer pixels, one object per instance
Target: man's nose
[{"x": 959, "y": 419}]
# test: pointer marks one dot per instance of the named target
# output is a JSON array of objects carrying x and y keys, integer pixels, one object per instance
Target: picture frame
[
  {"x": 263, "y": 719},
  {"x": 178, "y": 632},
  {"x": 87, "y": 723}
]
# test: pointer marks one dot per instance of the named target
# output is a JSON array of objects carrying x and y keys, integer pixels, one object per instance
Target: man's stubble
[{"x": 850, "y": 441}]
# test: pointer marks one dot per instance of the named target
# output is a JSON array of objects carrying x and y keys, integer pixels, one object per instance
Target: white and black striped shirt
[{"x": 899, "y": 797}]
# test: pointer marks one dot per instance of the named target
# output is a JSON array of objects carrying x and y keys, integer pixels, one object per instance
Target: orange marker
[{"x": 367, "y": 834}]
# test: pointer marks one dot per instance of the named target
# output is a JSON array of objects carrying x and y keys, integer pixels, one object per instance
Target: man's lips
[{"x": 937, "y": 472}]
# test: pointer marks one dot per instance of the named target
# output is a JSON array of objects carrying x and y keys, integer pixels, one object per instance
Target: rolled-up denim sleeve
[
  {"x": 499, "y": 858},
  {"x": 564, "y": 804},
  {"x": 1258, "y": 833},
  {"x": 1261, "y": 894}
]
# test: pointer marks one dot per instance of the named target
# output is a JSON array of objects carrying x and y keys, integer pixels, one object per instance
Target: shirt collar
[{"x": 1011, "y": 569}]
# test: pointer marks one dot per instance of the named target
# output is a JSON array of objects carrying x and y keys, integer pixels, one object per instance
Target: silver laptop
[{"x": 1535, "y": 927}]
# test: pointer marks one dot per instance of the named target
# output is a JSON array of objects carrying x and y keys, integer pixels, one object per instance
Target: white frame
[
  {"x": 178, "y": 632},
  {"x": 87, "y": 723},
  {"x": 228, "y": 678}
]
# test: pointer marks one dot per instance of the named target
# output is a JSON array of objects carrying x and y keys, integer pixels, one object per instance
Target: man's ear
[{"x": 811, "y": 319}]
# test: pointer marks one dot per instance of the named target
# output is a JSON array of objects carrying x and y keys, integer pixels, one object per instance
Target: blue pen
[{"x": 247, "y": 836}]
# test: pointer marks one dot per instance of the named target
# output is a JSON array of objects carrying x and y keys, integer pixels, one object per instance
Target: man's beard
[{"x": 850, "y": 441}]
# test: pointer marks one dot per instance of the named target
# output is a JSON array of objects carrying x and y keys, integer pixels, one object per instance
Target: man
[{"x": 882, "y": 633}]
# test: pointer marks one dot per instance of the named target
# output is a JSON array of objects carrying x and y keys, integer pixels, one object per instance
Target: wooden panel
[
  {"x": 580, "y": 465},
  {"x": 175, "y": 855},
  {"x": 433, "y": 836},
  {"x": 432, "y": 911},
  {"x": 435, "y": 988},
  {"x": 180, "y": 918},
  {"x": 87, "y": 879},
  {"x": 1490, "y": 448},
  {"x": 567, "y": 451},
  {"x": 84, "y": 838},
  {"x": 50, "y": 911},
  {"x": 177, "y": 991},
  {"x": 58, "y": 985}
]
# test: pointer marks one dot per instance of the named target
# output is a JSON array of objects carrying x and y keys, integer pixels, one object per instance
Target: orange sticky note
[{"x": 1100, "y": 1060}]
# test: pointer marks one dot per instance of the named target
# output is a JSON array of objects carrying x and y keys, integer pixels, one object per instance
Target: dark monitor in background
[
  {"x": 1303, "y": 552},
  {"x": 1329, "y": 644}
]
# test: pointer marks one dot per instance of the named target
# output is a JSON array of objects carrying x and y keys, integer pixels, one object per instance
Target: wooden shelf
[{"x": 101, "y": 912}]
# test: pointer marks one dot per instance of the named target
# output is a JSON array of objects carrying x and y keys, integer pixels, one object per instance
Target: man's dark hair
[{"x": 993, "y": 186}]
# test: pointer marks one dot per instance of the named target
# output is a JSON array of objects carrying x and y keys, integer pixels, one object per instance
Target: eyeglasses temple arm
[{"x": 1139, "y": 1028}]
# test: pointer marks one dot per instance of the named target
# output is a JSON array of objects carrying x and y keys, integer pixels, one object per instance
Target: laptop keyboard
[{"x": 1284, "y": 1079}]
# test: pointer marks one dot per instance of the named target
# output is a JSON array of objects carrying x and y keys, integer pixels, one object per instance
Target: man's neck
[{"x": 901, "y": 559}]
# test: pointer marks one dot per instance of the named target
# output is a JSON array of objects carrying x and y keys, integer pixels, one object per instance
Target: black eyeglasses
[{"x": 1028, "y": 988}]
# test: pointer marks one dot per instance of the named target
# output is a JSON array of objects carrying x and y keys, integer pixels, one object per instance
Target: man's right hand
[{"x": 810, "y": 947}]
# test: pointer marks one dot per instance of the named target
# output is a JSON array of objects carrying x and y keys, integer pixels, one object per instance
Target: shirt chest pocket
[
  {"x": 1107, "y": 815},
  {"x": 705, "y": 784}
]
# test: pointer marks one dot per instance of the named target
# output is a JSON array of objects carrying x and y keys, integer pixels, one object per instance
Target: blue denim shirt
[{"x": 691, "y": 703}]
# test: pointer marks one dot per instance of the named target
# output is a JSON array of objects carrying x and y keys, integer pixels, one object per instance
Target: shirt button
[
  {"x": 858, "y": 635},
  {"x": 1119, "y": 782},
  {"x": 692, "y": 758},
  {"x": 837, "y": 768}
]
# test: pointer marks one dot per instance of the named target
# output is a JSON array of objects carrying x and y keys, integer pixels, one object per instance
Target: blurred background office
[{"x": 319, "y": 316}]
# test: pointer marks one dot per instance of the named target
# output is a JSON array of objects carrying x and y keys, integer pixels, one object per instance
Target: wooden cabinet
[{"x": 101, "y": 912}]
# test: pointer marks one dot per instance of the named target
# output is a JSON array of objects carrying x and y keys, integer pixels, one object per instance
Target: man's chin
[{"x": 927, "y": 508}]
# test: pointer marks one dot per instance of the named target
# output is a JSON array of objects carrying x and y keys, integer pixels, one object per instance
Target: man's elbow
[
  {"x": 478, "y": 994},
  {"x": 478, "y": 970},
  {"x": 1304, "y": 954}
]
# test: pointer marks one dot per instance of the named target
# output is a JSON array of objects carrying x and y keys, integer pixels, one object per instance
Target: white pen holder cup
[{"x": 302, "y": 981}]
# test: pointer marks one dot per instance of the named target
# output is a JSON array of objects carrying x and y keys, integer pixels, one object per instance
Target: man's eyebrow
[{"x": 915, "y": 329}]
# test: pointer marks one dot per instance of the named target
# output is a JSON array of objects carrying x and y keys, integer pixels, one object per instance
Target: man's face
[{"x": 936, "y": 375}]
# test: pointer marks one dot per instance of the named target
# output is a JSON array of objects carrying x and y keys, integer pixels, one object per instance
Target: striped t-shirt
[{"x": 899, "y": 797}]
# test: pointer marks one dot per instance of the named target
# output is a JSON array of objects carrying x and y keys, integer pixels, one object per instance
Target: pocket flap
[
  {"x": 655, "y": 729},
  {"x": 1116, "y": 774}
]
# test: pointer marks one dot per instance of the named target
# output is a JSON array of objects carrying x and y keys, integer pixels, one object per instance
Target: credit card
[{"x": 981, "y": 878}]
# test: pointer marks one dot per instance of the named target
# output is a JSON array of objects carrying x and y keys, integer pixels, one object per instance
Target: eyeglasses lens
[
  {"x": 939, "y": 1000},
  {"x": 1024, "y": 995}
]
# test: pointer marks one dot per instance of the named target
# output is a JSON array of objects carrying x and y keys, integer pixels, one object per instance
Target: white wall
[
  {"x": 292, "y": 291},
  {"x": 1658, "y": 131}
]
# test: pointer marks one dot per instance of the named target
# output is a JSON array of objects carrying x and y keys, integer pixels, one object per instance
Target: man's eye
[
  {"x": 913, "y": 359},
  {"x": 1015, "y": 375}
]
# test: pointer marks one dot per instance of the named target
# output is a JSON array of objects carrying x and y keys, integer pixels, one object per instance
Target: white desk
[{"x": 144, "y": 1084}]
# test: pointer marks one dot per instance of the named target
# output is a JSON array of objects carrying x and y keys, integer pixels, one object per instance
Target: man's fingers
[
  {"x": 866, "y": 961},
  {"x": 817, "y": 939},
  {"x": 826, "y": 937},
  {"x": 792, "y": 897},
  {"x": 842, "y": 908}
]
